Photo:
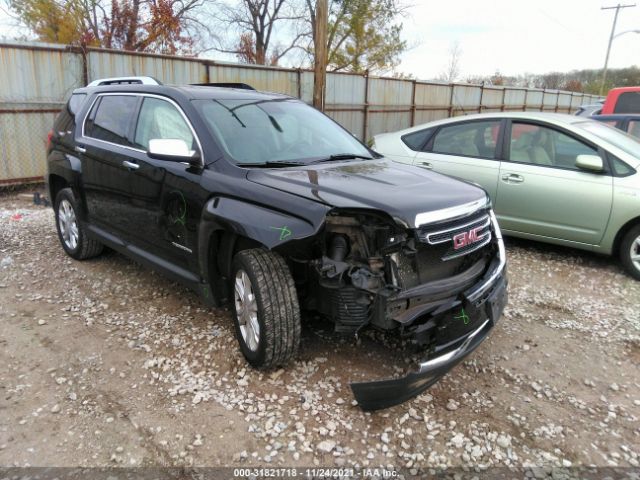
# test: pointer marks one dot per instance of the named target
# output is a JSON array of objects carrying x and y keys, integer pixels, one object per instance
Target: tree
[
  {"x": 160, "y": 26},
  {"x": 452, "y": 71},
  {"x": 51, "y": 21},
  {"x": 256, "y": 22},
  {"x": 363, "y": 35}
]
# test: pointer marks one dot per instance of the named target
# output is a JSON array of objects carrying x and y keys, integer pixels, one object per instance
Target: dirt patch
[{"x": 105, "y": 363}]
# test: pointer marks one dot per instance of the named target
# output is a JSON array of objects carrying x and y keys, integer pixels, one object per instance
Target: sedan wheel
[
  {"x": 634, "y": 253},
  {"x": 630, "y": 252}
]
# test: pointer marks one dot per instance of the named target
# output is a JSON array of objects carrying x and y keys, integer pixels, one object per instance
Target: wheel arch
[
  {"x": 622, "y": 232},
  {"x": 230, "y": 225}
]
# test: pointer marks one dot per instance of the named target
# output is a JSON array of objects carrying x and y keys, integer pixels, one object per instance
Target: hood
[{"x": 402, "y": 191}]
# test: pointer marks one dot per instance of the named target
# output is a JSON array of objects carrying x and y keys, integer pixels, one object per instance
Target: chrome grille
[{"x": 464, "y": 237}]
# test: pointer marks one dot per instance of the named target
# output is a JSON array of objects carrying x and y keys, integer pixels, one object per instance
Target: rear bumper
[{"x": 489, "y": 297}]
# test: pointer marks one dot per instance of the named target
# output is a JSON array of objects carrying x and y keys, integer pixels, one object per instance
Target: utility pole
[
  {"x": 613, "y": 32},
  {"x": 320, "y": 59}
]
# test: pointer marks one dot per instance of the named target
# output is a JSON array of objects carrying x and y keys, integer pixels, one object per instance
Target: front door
[
  {"x": 162, "y": 201},
  {"x": 542, "y": 192}
]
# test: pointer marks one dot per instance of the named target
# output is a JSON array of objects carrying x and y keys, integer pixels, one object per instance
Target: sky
[
  {"x": 516, "y": 36},
  {"x": 512, "y": 36}
]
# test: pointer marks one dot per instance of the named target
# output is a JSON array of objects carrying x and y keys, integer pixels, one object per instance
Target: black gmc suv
[{"x": 261, "y": 201}]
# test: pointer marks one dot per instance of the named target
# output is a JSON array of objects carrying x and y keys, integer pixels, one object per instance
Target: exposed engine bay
[{"x": 374, "y": 273}]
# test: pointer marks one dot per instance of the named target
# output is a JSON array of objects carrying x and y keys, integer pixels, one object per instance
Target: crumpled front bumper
[{"x": 490, "y": 296}]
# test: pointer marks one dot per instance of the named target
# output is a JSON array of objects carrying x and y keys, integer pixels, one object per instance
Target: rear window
[
  {"x": 628, "y": 102},
  {"x": 110, "y": 119}
]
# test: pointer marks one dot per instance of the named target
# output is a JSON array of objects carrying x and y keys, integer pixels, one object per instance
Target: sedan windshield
[
  {"x": 615, "y": 137},
  {"x": 277, "y": 132}
]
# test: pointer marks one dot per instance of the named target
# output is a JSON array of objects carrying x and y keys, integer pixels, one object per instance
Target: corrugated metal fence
[{"x": 36, "y": 79}]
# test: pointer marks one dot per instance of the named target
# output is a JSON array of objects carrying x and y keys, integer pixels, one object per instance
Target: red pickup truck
[{"x": 622, "y": 100}]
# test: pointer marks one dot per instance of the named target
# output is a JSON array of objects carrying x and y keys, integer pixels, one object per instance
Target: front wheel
[
  {"x": 265, "y": 306},
  {"x": 630, "y": 252}
]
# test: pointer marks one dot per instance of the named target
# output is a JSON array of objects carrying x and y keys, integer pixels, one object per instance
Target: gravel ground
[{"x": 105, "y": 363}]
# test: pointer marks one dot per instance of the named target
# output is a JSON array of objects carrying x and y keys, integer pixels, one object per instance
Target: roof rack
[
  {"x": 124, "y": 81},
  {"x": 241, "y": 86}
]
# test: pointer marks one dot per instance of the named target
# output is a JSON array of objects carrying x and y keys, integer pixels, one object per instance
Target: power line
[{"x": 617, "y": 8}]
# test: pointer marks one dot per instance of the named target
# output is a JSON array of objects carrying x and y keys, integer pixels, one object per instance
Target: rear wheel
[
  {"x": 266, "y": 310},
  {"x": 630, "y": 252},
  {"x": 71, "y": 232}
]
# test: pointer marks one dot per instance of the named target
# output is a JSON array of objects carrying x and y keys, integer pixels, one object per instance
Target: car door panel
[
  {"x": 103, "y": 147},
  {"x": 540, "y": 195},
  {"x": 554, "y": 202},
  {"x": 468, "y": 151},
  {"x": 480, "y": 171},
  {"x": 164, "y": 194}
]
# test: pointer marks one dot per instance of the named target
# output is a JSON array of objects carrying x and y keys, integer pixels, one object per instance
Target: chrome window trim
[
  {"x": 450, "y": 213},
  {"x": 132, "y": 94}
]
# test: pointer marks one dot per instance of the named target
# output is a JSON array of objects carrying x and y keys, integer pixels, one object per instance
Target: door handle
[
  {"x": 131, "y": 165},
  {"x": 426, "y": 165},
  {"x": 80, "y": 149},
  {"x": 513, "y": 178}
]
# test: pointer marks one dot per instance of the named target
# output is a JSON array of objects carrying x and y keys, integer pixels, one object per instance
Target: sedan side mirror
[
  {"x": 171, "y": 149},
  {"x": 591, "y": 163}
]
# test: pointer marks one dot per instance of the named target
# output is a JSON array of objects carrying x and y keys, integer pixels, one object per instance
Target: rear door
[
  {"x": 469, "y": 150},
  {"x": 104, "y": 147},
  {"x": 542, "y": 192}
]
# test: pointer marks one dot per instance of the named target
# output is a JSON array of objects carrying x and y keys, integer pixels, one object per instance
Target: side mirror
[
  {"x": 591, "y": 163},
  {"x": 171, "y": 149}
]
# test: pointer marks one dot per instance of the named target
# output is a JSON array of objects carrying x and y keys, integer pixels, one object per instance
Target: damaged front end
[{"x": 440, "y": 283}]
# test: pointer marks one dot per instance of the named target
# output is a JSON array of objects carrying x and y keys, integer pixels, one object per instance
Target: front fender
[
  {"x": 266, "y": 226},
  {"x": 259, "y": 223}
]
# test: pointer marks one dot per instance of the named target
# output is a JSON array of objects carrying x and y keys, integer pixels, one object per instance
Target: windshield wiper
[
  {"x": 273, "y": 163},
  {"x": 342, "y": 156}
]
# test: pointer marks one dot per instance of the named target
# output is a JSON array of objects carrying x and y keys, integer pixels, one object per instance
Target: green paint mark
[
  {"x": 463, "y": 316},
  {"x": 284, "y": 231}
]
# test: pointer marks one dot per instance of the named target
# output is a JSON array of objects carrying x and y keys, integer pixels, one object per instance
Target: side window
[
  {"x": 545, "y": 146},
  {"x": 416, "y": 140},
  {"x": 634, "y": 128},
  {"x": 620, "y": 168},
  {"x": 159, "y": 119},
  {"x": 472, "y": 139},
  {"x": 110, "y": 118}
]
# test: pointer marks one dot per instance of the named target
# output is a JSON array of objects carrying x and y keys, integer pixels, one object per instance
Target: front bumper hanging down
[{"x": 490, "y": 296}]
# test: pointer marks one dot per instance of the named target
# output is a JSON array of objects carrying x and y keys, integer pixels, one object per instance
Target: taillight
[{"x": 49, "y": 137}]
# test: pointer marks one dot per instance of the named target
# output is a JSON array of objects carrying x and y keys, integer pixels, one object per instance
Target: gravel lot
[{"x": 105, "y": 363}]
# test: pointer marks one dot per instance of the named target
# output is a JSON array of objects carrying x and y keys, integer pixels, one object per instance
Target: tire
[
  {"x": 71, "y": 231},
  {"x": 630, "y": 252},
  {"x": 268, "y": 282}
]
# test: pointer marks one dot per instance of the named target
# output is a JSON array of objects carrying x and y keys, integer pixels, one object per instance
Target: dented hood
[{"x": 402, "y": 191}]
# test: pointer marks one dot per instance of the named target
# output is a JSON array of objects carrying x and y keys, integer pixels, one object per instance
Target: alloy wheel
[
  {"x": 635, "y": 252},
  {"x": 68, "y": 224},
  {"x": 247, "y": 311}
]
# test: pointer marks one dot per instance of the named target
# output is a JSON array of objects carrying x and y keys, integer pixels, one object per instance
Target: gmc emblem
[{"x": 466, "y": 238}]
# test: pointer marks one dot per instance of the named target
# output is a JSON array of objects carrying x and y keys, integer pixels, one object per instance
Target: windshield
[
  {"x": 263, "y": 131},
  {"x": 615, "y": 137}
]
